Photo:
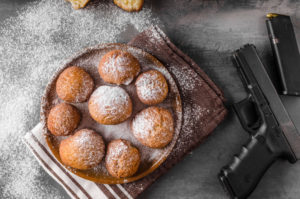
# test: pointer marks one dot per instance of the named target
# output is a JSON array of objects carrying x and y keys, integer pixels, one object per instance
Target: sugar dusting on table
[{"x": 32, "y": 45}]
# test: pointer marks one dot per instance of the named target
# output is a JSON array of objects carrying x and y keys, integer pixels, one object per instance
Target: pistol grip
[{"x": 240, "y": 178}]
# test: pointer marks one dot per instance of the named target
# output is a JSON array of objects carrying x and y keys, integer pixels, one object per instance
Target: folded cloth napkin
[{"x": 203, "y": 110}]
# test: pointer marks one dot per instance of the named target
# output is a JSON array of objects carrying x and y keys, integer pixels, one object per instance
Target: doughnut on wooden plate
[{"x": 88, "y": 59}]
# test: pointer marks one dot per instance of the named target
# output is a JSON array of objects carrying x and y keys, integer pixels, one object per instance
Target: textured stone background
[{"x": 209, "y": 31}]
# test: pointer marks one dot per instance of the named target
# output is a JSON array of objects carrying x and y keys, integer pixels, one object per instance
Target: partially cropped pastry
[
  {"x": 77, "y": 4},
  {"x": 74, "y": 85},
  {"x": 118, "y": 67},
  {"x": 151, "y": 87},
  {"x": 122, "y": 159},
  {"x": 84, "y": 150},
  {"x": 110, "y": 105},
  {"x": 153, "y": 127},
  {"x": 63, "y": 119},
  {"x": 130, "y": 5}
]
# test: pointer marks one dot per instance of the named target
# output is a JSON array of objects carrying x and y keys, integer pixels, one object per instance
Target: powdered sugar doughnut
[
  {"x": 110, "y": 105},
  {"x": 84, "y": 150},
  {"x": 63, "y": 119},
  {"x": 153, "y": 127},
  {"x": 74, "y": 85},
  {"x": 151, "y": 158},
  {"x": 151, "y": 87},
  {"x": 118, "y": 67},
  {"x": 122, "y": 159}
]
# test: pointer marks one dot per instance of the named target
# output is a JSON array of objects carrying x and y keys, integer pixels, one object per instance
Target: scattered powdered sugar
[
  {"x": 154, "y": 37},
  {"x": 32, "y": 46},
  {"x": 198, "y": 112},
  {"x": 110, "y": 101},
  {"x": 188, "y": 79},
  {"x": 193, "y": 114}
]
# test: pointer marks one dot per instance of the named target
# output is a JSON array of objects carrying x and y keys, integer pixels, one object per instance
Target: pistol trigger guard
[{"x": 247, "y": 113}]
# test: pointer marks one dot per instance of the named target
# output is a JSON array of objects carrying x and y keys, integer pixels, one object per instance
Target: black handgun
[{"x": 273, "y": 135}]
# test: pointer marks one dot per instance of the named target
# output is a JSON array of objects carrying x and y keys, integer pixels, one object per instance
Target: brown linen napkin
[
  {"x": 202, "y": 100},
  {"x": 203, "y": 110}
]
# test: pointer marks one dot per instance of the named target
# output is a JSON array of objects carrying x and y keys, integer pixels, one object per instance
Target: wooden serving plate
[{"x": 150, "y": 158}]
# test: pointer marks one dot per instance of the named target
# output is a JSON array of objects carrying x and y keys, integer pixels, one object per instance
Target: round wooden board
[{"x": 150, "y": 158}]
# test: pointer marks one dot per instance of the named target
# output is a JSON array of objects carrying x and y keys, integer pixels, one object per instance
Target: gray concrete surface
[{"x": 209, "y": 31}]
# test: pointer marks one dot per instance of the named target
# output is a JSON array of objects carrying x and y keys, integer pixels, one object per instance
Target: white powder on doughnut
[
  {"x": 117, "y": 67},
  {"x": 149, "y": 87},
  {"x": 92, "y": 149},
  {"x": 110, "y": 101},
  {"x": 151, "y": 123}
]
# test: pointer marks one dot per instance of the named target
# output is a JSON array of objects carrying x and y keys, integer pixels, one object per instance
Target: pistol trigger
[{"x": 248, "y": 115}]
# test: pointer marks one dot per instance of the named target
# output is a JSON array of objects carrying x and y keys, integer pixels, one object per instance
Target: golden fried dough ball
[
  {"x": 110, "y": 105},
  {"x": 151, "y": 87},
  {"x": 122, "y": 159},
  {"x": 74, "y": 85},
  {"x": 77, "y": 4},
  {"x": 63, "y": 119},
  {"x": 153, "y": 127},
  {"x": 130, "y": 5},
  {"x": 84, "y": 150},
  {"x": 118, "y": 67}
]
